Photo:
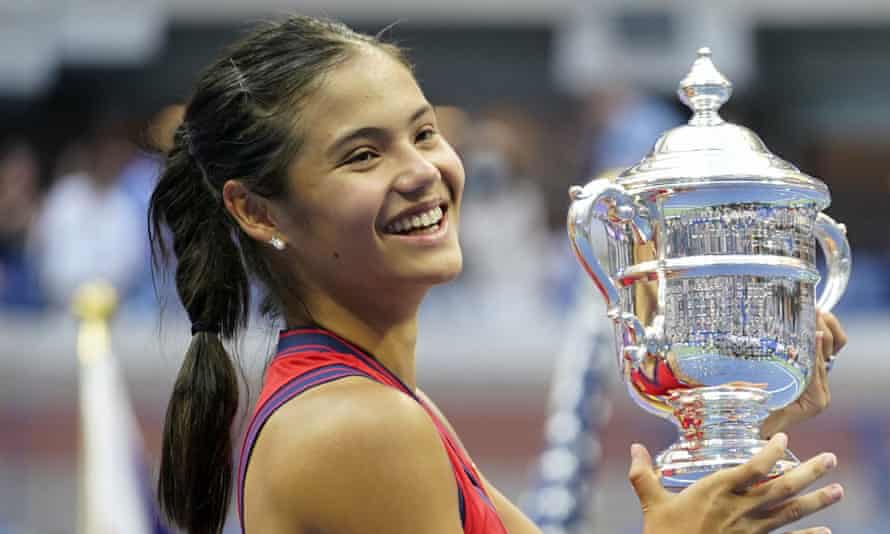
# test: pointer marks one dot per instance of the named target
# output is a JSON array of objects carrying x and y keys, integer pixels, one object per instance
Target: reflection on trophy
[{"x": 711, "y": 279}]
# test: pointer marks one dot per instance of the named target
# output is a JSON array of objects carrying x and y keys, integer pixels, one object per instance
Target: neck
[{"x": 388, "y": 331}]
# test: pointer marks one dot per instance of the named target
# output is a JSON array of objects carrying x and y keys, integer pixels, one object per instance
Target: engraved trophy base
[{"x": 719, "y": 429}]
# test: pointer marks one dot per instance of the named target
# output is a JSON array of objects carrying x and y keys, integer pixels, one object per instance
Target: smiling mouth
[{"x": 426, "y": 222}]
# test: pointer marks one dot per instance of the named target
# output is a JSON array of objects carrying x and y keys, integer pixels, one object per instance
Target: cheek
[
  {"x": 338, "y": 238},
  {"x": 350, "y": 218},
  {"x": 452, "y": 171}
]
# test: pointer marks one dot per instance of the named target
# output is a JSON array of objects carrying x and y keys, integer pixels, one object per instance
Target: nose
[{"x": 418, "y": 174}]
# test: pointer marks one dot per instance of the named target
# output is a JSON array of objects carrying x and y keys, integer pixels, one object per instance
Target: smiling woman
[
  {"x": 309, "y": 159},
  {"x": 372, "y": 156}
]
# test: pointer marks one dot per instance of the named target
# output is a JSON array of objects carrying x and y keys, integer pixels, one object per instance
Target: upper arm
[{"x": 358, "y": 457}]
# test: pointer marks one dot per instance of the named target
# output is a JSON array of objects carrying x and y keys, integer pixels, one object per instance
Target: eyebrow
[{"x": 373, "y": 131}]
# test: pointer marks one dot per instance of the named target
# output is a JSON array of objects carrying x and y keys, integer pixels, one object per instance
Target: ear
[{"x": 253, "y": 213}]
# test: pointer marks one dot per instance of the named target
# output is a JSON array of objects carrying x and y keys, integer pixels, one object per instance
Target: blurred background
[{"x": 536, "y": 96}]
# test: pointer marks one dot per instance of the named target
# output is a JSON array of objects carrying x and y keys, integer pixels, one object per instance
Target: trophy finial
[{"x": 704, "y": 90}]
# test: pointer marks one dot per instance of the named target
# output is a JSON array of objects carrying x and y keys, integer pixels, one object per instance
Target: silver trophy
[{"x": 710, "y": 278}]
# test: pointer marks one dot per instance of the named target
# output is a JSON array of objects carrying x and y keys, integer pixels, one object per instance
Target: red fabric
[
  {"x": 663, "y": 380},
  {"x": 296, "y": 359}
]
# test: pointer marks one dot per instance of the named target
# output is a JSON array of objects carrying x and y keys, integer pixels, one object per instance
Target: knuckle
[
  {"x": 785, "y": 487},
  {"x": 747, "y": 471},
  {"x": 840, "y": 340},
  {"x": 793, "y": 511},
  {"x": 815, "y": 469},
  {"x": 761, "y": 470}
]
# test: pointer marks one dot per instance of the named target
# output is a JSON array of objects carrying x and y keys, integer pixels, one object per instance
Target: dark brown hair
[{"x": 242, "y": 122}]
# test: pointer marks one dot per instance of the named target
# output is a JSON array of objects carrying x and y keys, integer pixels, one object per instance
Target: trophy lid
[{"x": 709, "y": 150}]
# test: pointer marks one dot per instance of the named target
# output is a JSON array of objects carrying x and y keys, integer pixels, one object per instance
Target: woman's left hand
[{"x": 830, "y": 339}]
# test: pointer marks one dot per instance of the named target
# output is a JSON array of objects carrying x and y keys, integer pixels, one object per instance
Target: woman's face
[{"x": 375, "y": 191}]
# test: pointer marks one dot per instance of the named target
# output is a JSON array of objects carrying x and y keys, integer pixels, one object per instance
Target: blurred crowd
[
  {"x": 87, "y": 219},
  {"x": 87, "y": 223}
]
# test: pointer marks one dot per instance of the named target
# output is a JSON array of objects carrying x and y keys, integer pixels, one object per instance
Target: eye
[
  {"x": 362, "y": 156},
  {"x": 426, "y": 134}
]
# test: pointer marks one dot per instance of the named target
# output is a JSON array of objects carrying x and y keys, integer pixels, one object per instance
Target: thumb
[{"x": 643, "y": 478}]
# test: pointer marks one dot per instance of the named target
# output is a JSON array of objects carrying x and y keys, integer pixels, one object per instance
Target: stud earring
[{"x": 277, "y": 243}]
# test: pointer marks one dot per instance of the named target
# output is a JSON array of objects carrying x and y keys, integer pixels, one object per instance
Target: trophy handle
[
  {"x": 609, "y": 203},
  {"x": 832, "y": 237}
]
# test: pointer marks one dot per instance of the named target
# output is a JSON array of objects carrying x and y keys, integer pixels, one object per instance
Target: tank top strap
[{"x": 318, "y": 340}]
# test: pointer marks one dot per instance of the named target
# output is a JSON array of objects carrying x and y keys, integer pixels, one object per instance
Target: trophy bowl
[{"x": 710, "y": 275}]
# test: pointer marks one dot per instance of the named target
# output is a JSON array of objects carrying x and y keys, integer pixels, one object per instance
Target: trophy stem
[{"x": 719, "y": 428}]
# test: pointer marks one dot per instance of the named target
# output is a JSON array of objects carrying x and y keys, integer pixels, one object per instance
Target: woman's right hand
[{"x": 728, "y": 502}]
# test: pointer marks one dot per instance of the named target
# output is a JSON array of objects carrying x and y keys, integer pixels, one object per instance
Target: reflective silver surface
[{"x": 710, "y": 276}]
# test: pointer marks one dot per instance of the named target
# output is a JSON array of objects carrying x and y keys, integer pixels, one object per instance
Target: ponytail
[
  {"x": 196, "y": 458},
  {"x": 196, "y": 463}
]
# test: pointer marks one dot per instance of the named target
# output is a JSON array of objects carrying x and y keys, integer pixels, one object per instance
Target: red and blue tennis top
[{"x": 309, "y": 357}]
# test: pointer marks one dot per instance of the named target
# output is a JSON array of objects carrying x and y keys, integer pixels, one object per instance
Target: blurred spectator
[
  {"x": 503, "y": 217},
  {"x": 623, "y": 125},
  {"x": 160, "y": 130},
  {"x": 89, "y": 228},
  {"x": 455, "y": 125},
  {"x": 19, "y": 176},
  {"x": 73, "y": 159},
  {"x": 137, "y": 180},
  {"x": 490, "y": 169}
]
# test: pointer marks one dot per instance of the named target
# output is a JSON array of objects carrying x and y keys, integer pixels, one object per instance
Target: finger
[
  {"x": 837, "y": 331},
  {"x": 792, "y": 482},
  {"x": 757, "y": 468},
  {"x": 816, "y": 530},
  {"x": 822, "y": 363},
  {"x": 795, "y": 509},
  {"x": 819, "y": 392},
  {"x": 824, "y": 332},
  {"x": 643, "y": 477}
]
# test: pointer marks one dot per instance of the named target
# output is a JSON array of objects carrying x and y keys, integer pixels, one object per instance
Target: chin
[{"x": 446, "y": 270}]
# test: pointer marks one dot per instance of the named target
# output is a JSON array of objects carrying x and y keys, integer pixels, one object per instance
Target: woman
[{"x": 309, "y": 158}]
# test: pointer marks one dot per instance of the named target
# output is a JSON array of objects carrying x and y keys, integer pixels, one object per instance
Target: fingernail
[
  {"x": 836, "y": 492},
  {"x": 636, "y": 450},
  {"x": 829, "y": 460}
]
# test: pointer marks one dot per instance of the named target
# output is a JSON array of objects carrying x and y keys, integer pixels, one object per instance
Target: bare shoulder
[
  {"x": 354, "y": 456},
  {"x": 513, "y": 518},
  {"x": 435, "y": 409}
]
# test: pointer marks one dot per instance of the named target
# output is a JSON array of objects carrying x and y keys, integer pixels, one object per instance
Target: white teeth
[{"x": 422, "y": 220}]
